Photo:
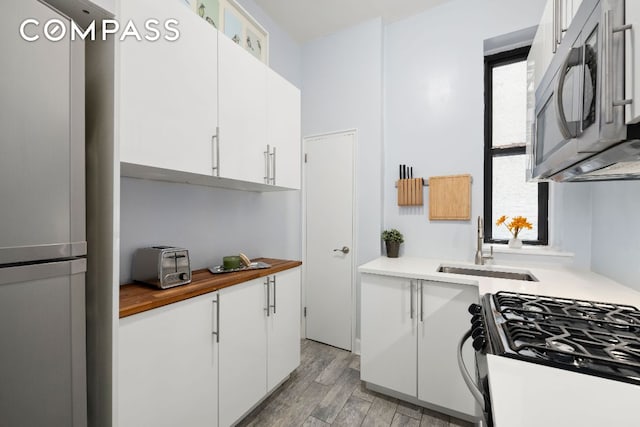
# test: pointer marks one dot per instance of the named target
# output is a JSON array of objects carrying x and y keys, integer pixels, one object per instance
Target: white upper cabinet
[
  {"x": 556, "y": 19},
  {"x": 168, "y": 99},
  {"x": 201, "y": 107},
  {"x": 542, "y": 47},
  {"x": 283, "y": 130},
  {"x": 632, "y": 63},
  {"x": 243, "y": 114}
]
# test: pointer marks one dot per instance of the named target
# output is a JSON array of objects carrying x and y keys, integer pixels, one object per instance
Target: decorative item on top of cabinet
[
  {"x": 450, "y": 197},
  {"x": 235, "y": 22},
  {"x": 392, "y": 239}
]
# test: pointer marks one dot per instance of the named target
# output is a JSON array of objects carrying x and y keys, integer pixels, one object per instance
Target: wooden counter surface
[{"x": 136, "y": 297}]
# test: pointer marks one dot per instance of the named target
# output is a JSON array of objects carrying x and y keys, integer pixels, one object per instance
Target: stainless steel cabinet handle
[
  {"x": 473, "y": 388},
  {"x": 609, "y": 97},
  {"x": 421, "y": 301},
  {"x": 273, "y": 166},
  {"x": 554, "y": 24},
  {"x": 216, "y": 302},
  {"x": 344, "y": 250},
  {"x": 411, "y": 303},
  {"x": 267, "y": 308},
  {"x": 275, "y": 298},
  {"x": 266, "y": 166},
  {"x": 215, "y": 153}
]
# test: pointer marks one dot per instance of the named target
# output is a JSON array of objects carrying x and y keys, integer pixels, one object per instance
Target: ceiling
[{"x": 308, "y": 19}]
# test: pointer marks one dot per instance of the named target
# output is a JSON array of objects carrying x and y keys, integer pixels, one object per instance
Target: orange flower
[{"x": 516, "y": 225}]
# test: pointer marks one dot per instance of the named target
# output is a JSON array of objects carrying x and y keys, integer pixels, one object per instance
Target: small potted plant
[
  {"x": 392, "y": 238},
  {"x": 516, "y": 225}
]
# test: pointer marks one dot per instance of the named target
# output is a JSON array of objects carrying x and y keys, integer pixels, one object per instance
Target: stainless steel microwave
[{"x": 580, "y": 132}]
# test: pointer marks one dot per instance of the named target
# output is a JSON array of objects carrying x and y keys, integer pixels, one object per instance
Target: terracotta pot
[{"x": 392, "y": 249}]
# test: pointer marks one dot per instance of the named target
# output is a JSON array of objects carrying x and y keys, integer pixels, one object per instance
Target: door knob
[{"x": 344, "y": 250}]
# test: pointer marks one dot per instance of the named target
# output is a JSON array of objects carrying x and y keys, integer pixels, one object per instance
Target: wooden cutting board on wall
[{"x": 450, "y": 197}]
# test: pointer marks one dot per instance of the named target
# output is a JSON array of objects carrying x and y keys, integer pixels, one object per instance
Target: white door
[
  {"x": 242, "y": 349},
  {"x": 168, "y": 90},
  {"x": 329, "y": 200},
  {"x": 283, "y": 352},
  {"x": 389, "y": 333},
  {"x": 168, "y": 366},
  {"x": 439, "y": 380}
]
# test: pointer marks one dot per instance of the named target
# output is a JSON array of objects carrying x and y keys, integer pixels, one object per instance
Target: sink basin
[{"x": 498, "y": 274}]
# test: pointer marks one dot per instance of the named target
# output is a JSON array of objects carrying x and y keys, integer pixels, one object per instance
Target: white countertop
[{"x": 564, "y": 282}]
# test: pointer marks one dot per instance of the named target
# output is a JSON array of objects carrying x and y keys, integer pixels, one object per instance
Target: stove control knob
[
  {"x": 478, "y": 325},
  {"x": 475, "y": 309},
  {"x": 479, "y": 342},
  {"x": 475, "y": 318},
  {"x": 477, "y": 332}
]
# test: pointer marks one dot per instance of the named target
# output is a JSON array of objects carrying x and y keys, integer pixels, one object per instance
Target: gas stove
[{"x": 593, "y": 338}]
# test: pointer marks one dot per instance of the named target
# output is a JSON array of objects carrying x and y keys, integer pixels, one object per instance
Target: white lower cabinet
[
  {"x": 259, "y": 340},
  {"x": 243, "y": 349},
  {"x": 168, "y": 366},
  {"x": 410, "y": 330},
  {"x": 283, "y": 326},
  {"x": 208, "y": 360}
]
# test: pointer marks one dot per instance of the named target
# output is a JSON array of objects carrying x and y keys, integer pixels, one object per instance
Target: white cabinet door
[
  {"x": 283, "y": 350},
  {"x": 168, "y": 366},
  {"x": 168, "y": 100},
  {"x": 541, "y": 52},
  {"x": 632, "y": 61},
  {"x": 283, "y": 129},
  {"x": 389, "y": 333},
  {"x": 242, "y": 349},
  {"x": 243, "y": 113},
  {"x": 445, "y": 320}
]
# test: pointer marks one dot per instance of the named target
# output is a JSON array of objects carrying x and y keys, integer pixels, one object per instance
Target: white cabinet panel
[
  {"x": 168, "y": 100},
  {"x": 283, "y": 129},
  {"x": 389, "y": 333},
  {"x": 632, "y": 61},
  {"x": 445, "y": 321},
  {"x": 168, "y": 366},
  {"x": 541, "y": 52},
  {"x": 242, "y": 348},
  {"x": 243, "y": 113},
  {"x": 283, "y": 354}
]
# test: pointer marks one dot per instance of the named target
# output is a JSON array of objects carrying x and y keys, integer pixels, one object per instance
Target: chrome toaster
[{"x": 162, "y": 266}]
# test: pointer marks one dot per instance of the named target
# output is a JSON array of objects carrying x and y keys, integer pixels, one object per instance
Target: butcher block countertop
[{"x": 136, "y": 297}]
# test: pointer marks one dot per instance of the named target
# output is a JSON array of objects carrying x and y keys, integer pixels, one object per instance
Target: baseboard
[{"x": 356, "y": 347}]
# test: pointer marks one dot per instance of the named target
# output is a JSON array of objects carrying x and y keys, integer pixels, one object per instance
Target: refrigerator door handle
[{"x": 31, "y": 272}]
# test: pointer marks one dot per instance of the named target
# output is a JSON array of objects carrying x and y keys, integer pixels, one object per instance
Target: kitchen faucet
[{"x": 480, "y": 257}]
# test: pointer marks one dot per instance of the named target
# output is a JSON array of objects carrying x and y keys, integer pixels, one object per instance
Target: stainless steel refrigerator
[{"x": 42, "y": 224}]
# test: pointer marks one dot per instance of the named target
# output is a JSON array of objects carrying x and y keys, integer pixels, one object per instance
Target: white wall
[
  {"x": 213, "y": 222},
  {"x": 616, "y": 231},
  {"x": 434, "y": 118},
  {"x": 341, "y": 90}
]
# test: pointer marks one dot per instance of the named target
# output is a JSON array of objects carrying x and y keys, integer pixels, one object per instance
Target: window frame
[{"x": 491, "y": 62}]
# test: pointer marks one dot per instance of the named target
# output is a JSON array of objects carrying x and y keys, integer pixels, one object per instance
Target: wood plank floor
[{"x": 326, "y": 390}]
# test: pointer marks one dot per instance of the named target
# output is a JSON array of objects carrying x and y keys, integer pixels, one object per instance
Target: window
[{"x": 506, "y": 191}]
